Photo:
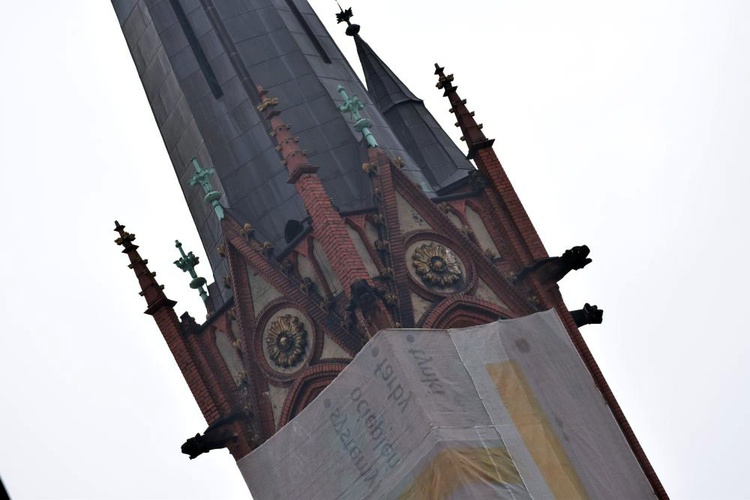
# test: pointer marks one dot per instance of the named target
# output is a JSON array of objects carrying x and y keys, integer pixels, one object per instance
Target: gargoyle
[
  {"x": 589, "y": 315},
  {"x": 553, "y": 269},
  {"x": 216, "y": 436}
]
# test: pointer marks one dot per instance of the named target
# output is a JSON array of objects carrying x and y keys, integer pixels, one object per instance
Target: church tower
[{"x": 329, "y": 210}]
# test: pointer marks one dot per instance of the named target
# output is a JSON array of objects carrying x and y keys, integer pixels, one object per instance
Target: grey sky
[{"x": 622, "y": 126}]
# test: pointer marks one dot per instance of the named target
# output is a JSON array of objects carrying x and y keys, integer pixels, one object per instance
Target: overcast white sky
[{"x": 623, "y": 126}]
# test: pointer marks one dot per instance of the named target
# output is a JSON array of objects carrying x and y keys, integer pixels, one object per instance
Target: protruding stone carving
[
  {"x": 188, "y": 324},
  {"x": 286, "y": 341},
  {"x": 366, "y": 298},
  {"x": 576, "y": 258},
  {"x": 386, "y": 274},
  {"x": 215, "y": 437},
  {"x": 381, "y": 245},
  {"x": 477, "y": 181},
  {"x": 436, "y": 265},
  {"x": 467, "y": 230},
  {"x": 589, "y": 315},
  {"x": 247, "y": 230},
  {"x": 370, "y": 169},
  {"x": 307, "y": 285},
  {"x": 553, "y": 269},
  {"x": 267, "y": 248},
  {"x": 390, "y": 299}
]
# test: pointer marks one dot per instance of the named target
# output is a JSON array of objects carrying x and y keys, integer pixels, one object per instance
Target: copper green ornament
[
  {"x": 187, "y": 264},
  {"x": 212, "y": 196},
  {"x": 353, "y": 105}
]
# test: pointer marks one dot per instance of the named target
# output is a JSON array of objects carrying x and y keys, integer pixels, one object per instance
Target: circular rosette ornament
[
  {"x": 286, "y": 341},
  {"x": 436, "y": 265}
]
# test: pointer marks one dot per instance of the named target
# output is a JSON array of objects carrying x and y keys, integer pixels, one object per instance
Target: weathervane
[
  {"x": 344, "y": 17},
  {"x": 187, "y": 264},
  {"x": 212, "y": 197},
  {"x": 354, "y": 105}
]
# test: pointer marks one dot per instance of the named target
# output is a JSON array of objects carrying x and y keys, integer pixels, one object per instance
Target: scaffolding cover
[{"x": 503, "y": 410}]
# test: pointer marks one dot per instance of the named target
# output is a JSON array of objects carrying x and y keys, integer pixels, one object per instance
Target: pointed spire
[
  {"x": 472, "y": 132},
  {"x": 386, "y": 89},
  {"x": 187, "y": 263},
  {"x": 382, "y": 84},
  {"x": 353, "y": 105},
  {"x": 151, "y": 290},
  {"x": 436, "y": 155},
  {"x": 212, "y": 196}
]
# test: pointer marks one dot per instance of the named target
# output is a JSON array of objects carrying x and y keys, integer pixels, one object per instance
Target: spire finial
[
  {"x": 444, "y": 82},
  {"x": 472, "y": 131},
  {"x": 187, "y": 264},
  {"x": 126, "y": 239},
  {"x": 353, "y": 105},
  {"x": 151, "y": 290},
  {"x": 212, "y": 197},
  {"x": 345, "y": 17},
  {"x": 265, "y": 101}
]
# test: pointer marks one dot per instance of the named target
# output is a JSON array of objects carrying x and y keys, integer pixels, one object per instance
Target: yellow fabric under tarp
[
  {"x": 454, "y": 468},
  {"x": 535, "y": 431}
]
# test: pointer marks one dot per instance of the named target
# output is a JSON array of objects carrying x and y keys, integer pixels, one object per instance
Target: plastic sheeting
[{"x": 503, "y": 410}]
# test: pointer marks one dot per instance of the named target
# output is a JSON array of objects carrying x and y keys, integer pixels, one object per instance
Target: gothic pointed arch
[
  {"x": 307, "y": 386},
  {"x": 462, "y": 311}
]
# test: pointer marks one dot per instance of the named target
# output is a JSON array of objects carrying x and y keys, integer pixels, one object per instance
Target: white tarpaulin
[{"x": 504, "y": 410}]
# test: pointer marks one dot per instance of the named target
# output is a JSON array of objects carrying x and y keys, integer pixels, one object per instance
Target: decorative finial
[
  {"x": 187, "y": 264},
  {"x": 345, "y": 17},
  {"x": 265, "y": 101},
  {"x": 444, "y": 82},
  {"x": 472, "y": 131},
  {"x": 354, "y": 105},
  {"x": 125, "y": 239},
  {"x": 212, "y": 197}
]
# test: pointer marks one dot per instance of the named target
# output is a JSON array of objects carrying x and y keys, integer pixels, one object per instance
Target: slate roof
[{"x": 200, "y": 62}]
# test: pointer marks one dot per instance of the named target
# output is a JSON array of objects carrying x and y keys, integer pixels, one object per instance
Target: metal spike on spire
[
  {"x": 187, "y": 264},
  {"x": 353, "y": 105},
  {"x": 212, "y": 196}
]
